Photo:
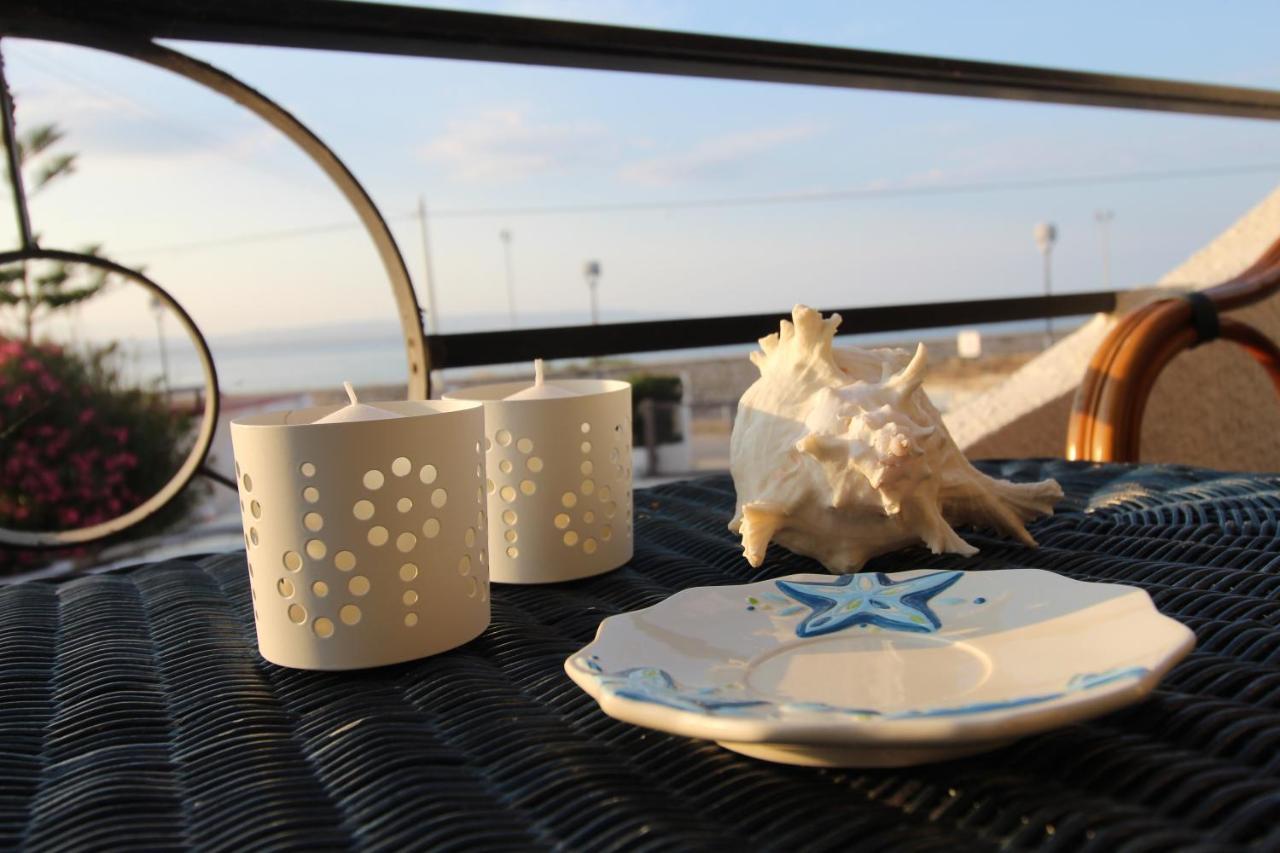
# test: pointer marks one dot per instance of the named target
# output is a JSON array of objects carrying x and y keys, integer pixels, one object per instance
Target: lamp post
[
  {"x": 158, "y": 307},
  {"x": 1046, "y": 234},
  {"x": 592, "y": 273},
  {"x": 505, "y": 236},
  {"x": 1104, "y": 218}
]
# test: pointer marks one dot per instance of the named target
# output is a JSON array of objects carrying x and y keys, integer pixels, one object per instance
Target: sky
[{"x": 251, "y": 238}]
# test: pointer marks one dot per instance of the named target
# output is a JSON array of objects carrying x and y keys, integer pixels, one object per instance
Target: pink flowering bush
[{"x": 76, "y": 447}]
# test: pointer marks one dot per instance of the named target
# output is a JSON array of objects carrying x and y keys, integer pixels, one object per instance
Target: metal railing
[
  {"x": 341, "y": 25},
  {"x": 131, "y": 28}
]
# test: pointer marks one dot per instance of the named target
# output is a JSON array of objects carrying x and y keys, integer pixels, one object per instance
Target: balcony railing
[
  {"x": 132, "y": 28},
  {"x": 341, "y": 25}
]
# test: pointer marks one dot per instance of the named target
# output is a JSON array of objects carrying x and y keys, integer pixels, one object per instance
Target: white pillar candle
[
  {"x": 366, "y": 539},
  {"x": 558, "y": 477},
  {"x": 356, "y": 411},
  {"x": 540, "y": 390}
]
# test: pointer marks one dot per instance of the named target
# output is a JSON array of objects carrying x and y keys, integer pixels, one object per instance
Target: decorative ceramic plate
[{"x": 880, "y": 670}]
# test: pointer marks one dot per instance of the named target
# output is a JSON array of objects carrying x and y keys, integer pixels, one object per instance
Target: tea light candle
[
  {"x": 540, "y": 390},
  {"x": 558, "y": 477},
  {"x": 365, "y": 535},
  {"x": 356, "y": 411}
]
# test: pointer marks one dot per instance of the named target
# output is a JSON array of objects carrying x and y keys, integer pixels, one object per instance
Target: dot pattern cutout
[
  {"x": 592, "y": 496},
  {"x": 589, "y": 511},
  {"x": 306, "y": 604}
]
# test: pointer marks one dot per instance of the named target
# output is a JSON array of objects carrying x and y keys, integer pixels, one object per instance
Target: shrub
[
  {"x": 660, "y": 389},
  {"x": 77, "y": 447}
]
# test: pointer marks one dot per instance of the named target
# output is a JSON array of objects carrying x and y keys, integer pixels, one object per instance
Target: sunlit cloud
[
  {"x": 720, "y": 157},
  {"x": 507, "y": 145}
]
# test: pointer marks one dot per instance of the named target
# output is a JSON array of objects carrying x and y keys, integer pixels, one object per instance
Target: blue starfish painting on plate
[{"x": 852, "y": 600}]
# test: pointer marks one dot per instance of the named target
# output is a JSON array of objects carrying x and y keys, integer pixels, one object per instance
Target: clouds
[
  {"x": 505, "y": 144},
  {"x": 510, "y": 145},
  {"x": 115, "y": 125},
  {"x": 719, "y": 157}
]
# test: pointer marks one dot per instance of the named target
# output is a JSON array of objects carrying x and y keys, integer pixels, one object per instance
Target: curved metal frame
[
  {"x": 143, "y": 50},
  {"x": 1106, "y": 419},
  {"x": 195, "y": 457},
  {"x": 206, "y": 75}
]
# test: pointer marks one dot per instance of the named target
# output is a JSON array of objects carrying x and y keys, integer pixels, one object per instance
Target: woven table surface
[{"x": 136, "y": 713}]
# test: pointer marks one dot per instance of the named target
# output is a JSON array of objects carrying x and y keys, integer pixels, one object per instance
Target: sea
[{"x": 325, "y": 357}]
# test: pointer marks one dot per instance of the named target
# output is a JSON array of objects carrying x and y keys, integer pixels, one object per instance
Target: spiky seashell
[{"x": 839, "y": 455}]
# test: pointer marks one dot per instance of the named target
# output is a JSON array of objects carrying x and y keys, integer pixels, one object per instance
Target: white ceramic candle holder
[
  {"x": 558, "y": 479},
  {"x": 365, "y": 540}
]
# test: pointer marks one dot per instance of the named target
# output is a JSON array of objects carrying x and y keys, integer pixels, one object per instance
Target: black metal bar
[
  {"x": 409, "y": 31},
  {"x": 470, "y": 349},
  {"x": 13, "y": 158},
  {"x": 219, "y": 478}
]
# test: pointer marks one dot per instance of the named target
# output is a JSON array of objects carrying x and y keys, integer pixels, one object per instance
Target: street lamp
[
  {"x": 505, "y": 236},
  {"x": 158, "y": 307},
  {"x": 1046, "y": 234},
  {"x": 1104, "y": 218},
  {"x": 592, "y": 273}
]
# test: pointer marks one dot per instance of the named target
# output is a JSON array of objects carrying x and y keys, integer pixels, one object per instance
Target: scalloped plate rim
[{"x": 841, "y": 729}]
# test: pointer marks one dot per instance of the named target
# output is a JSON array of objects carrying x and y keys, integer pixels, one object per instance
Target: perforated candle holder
[
  {"x": 365, "y": 540},
  {"x": 558, "y": 478}
]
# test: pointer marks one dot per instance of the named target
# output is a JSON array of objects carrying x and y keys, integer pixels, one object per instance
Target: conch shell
[{"x": 839, "y": 455}]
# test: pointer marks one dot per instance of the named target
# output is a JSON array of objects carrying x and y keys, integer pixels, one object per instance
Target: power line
[
  {"x": 865, "y": 193},
  {"x": 742, "y": 201},
  {"x": 264, "y": 237}
]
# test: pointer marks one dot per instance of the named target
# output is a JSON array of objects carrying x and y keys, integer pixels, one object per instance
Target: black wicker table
[{"x": 135, "y": 712}]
